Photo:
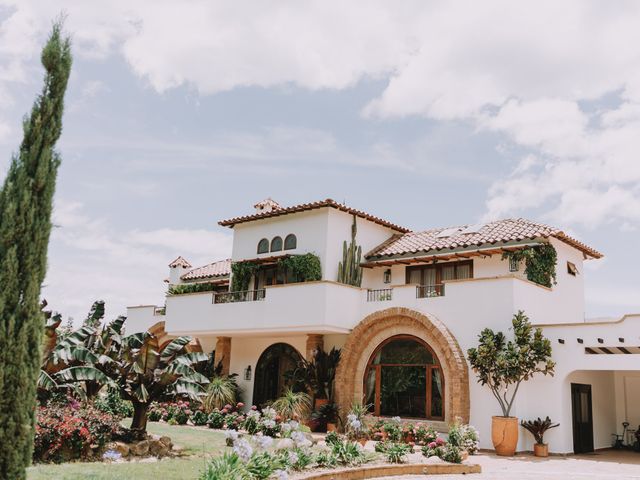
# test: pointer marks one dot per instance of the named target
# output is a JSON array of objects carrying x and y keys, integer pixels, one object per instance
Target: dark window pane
[
  {"x": 403, "y": 391},
  {"x": 436, "y": 393},
  {"x": 290, "y": 242},
  {"x": 276, "y": 244},
  {"x": 263, "y": 246},
  {"x": 403, "y": 352}
]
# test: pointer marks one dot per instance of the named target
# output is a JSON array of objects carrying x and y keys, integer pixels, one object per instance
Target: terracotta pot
[
  {"x": 362, "y": 441},
  {"x": 331, "y": 427},
  {"x": 504, "y": 435},
  {"x": 541, "y": 450},
  {"x": 319, "y": 402}
]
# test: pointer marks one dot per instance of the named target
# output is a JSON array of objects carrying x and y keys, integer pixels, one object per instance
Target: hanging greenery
[
  {"x": 303, "y": 268},
  {"x": 183, "y": 288},
  {"x": 540, "y": 263},
  {"x": 241, "y": 273}
]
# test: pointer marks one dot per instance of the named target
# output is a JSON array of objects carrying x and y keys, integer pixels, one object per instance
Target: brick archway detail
[{"x": 377, "y": 327}]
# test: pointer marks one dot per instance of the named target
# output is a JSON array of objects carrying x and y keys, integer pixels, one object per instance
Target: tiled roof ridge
[
  {"x": 514, "y": 229},
  {"x": 329, "y": 202},
  {"x": 209, "y": 270},
  {"x": 180, "y": 261}
]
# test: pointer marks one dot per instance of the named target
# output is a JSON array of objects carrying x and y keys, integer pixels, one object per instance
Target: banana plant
[{"x": 147, "y": 371}]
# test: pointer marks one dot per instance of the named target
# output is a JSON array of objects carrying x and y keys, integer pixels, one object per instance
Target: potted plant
[
  {"x": 503, "y": 365},
  {"x": 326, "y": 416},
  {"x": 538, "y": 427},
  {"x": 317, "y": 375}
]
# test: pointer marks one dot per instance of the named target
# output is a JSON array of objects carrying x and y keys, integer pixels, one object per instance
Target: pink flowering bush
[{"x": 72, "y": 431}]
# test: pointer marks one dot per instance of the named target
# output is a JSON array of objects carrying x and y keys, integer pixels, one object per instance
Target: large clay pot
[
  {"x": 319, "y": 402},
  {"x": 504, "y": 435},
  {"x": 541, "y": 450},
  {"x": 331, "y": 427}
]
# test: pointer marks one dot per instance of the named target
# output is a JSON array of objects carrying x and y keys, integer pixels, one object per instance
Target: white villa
[{"x": 431, "y": 292}]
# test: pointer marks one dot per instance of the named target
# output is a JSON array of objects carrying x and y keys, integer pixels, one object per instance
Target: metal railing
[
  {"x": 381, "y": 295},
  {"x": 429, "y": 291},
  {"x": 242, "y": 296}
]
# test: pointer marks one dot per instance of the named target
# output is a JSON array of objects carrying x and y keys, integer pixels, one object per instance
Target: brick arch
[{"x": 379, "y": 326}]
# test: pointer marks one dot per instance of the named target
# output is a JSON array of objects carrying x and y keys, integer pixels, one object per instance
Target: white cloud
[{"x": 91, "y": 259}]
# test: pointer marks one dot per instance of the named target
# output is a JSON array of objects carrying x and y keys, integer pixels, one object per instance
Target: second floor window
[
  {"x": 290, "y": 242},
  {"x": 435, "y": 274},
  {"x": 276, "y": 244},
  {"x": 263, "y": 246}
]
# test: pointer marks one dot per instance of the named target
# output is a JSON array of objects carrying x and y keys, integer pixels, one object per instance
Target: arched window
[
  {"x": 270, "y": 380},
  {"x": 263, "y": 246},
  {"x": 276, "y": 244},
  {"x": 403, "y": 378},
  {"x": 290, "y": 242}
]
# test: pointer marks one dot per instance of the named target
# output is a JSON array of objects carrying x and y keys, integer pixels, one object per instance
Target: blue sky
[{"x": 428, "y": 114}]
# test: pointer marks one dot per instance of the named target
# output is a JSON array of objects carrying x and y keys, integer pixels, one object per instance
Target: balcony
[
  {"x": 243, "y": 296},
  {"x": 330, "y": 307}
]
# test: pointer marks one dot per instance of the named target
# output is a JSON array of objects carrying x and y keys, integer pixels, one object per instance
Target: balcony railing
[
  {"x": 429, "y": 291},
  {"x": 242, "y": 296},
  {"x": 381, "y": 295}
]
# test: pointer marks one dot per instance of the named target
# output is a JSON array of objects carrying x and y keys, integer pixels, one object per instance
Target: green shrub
[
  {"x": 331, "y": 438},
  {"x": 347, "y": 453},
  {"x": 262, "y": 465},
  {"x": 112, "y": 403},
  {"x": 425, "y": 434},
  {"x": 216, "y": 419},
  {"x": 221, "y": 391},
  {"x": 326, "y": 460},
  {"x": 199, "y": 418},
  {"x": 183, "y": 288},
  {"x": 396, "y": 452},
  {"x": 464, "y": 436},
  {"x": 227, "y": 467},
  {"x": 393, "y": 430}
]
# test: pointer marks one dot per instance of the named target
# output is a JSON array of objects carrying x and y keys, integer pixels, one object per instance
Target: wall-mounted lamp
[
  {"x": 247, "y": 373},
  {"x": 387, "y": 276}
]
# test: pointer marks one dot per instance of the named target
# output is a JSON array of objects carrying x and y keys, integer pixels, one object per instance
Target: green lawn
[{"x": 198, "y": 443}]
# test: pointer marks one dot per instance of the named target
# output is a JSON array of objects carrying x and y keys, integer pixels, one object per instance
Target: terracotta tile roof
[
  {"x": 312, "y": 206},
  {"x": 500, "y": 232},
  {"x": 180, "y": 262},
  {"x": 216, "y": 269}
]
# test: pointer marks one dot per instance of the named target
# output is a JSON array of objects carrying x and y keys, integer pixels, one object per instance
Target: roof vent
[
  {"x": 267, "y": 205},
  {"x": 448, "y": 232}
]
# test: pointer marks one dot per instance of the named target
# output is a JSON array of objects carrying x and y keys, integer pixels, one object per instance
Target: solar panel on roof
[
  {"x": 475, "y": 228},
  {"x": 448, "y": 232}
]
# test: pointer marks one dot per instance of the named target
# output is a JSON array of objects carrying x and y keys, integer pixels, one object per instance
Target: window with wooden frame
[
  {"x": 572, "y": 269},
  {"x": 404, "y": 378},
  {"x": 434, "y": 275}
]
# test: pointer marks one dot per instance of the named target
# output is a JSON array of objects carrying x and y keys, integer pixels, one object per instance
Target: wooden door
[{"x": 582, "y": 418}]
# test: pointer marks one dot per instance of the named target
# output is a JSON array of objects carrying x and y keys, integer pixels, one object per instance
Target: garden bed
[{"x": 376, "y": 471}]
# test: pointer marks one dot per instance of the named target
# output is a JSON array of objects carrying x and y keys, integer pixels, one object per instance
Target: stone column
[
  {"x": 223, "y": 353},
  {"x": 314, "y": 342}
]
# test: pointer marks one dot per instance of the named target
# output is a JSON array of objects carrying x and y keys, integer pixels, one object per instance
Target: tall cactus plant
[{"x": 349, "y": 269}]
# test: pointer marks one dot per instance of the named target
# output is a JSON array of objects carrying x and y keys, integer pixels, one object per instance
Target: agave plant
[
  {"x": 221, "y": 391},
  {"x": 293, "y": 404}
]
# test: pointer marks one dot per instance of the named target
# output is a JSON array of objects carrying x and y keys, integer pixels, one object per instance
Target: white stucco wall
[{"x": 141, "y": 318}]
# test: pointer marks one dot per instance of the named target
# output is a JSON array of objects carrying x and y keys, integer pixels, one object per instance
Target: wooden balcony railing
[
  {"x": 381, "y": 295},
  {"x": 429, "y": 291},
  {"x": 242, "y": 296}
]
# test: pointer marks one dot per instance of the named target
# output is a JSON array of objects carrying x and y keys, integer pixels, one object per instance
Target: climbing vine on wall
[
  {"x": 303, "y": 268},
  {"x": 540, "y": 263},
  {"x": 241, "y": 273}
]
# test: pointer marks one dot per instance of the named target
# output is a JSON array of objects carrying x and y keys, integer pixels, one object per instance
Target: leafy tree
[
  {"x": 25, "y": 225},
  {"x": 503, "y": 365}
]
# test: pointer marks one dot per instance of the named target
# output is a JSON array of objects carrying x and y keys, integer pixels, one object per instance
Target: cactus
[{"x": 349, "y": 269}]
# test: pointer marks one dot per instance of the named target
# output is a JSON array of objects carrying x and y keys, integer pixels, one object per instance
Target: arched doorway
[
  {"x": 377, "y": 328},
  {"x": 404, "y": 378},
  {"x": 272, "y": 365}
]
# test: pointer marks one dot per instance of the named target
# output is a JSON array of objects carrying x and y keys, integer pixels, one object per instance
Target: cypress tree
[{"x": 25, "y": 224}]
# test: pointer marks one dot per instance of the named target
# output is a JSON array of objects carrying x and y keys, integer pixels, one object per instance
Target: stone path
[{"x": 607, "y": 465}]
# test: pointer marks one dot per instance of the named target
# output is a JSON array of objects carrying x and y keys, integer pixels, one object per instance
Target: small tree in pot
[
  {"x": 538, "y": 428},
  {"x": 503, "y": 365}
]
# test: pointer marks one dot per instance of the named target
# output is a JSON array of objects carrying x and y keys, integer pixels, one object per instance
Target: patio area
[{"x": 604, "y": 464}]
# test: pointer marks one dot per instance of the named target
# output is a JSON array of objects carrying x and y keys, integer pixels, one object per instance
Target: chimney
[
  {"x": 267, "y": 205},
  {"x": 177, "y": 268}
]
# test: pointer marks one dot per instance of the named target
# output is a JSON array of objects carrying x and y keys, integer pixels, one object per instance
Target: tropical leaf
[
  {"x": 187, "y": 372},
  {"x": 84, "y": 374},
  {"x": 117, "y": 324},
  {"x": 45, "y": 382},
  {"x": 182, "y": 387},
  {"x": 191, "y": 358},
  {"x": 174, "y": 347},
  {"x": 148, "y": 358},
  {"x": 141, "y": 393}
]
